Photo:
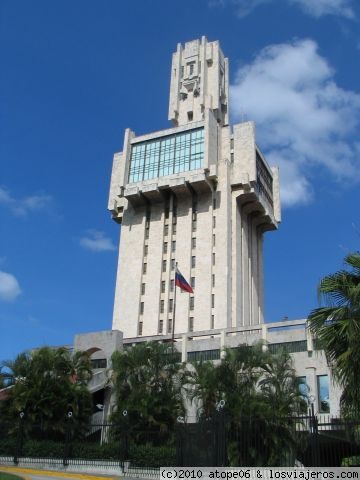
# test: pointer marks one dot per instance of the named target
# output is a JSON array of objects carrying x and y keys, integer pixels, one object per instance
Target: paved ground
[{"x": 33, "y": 474}]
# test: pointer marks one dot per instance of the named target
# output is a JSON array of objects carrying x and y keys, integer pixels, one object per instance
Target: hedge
[{"x": 139, "y": 455}]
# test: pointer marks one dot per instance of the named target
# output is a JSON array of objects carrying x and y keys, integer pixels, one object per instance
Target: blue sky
[{"x": 75, "y": 74}]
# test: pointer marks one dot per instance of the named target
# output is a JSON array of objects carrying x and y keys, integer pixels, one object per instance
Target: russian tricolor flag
[{"x": 182, "y": 283}]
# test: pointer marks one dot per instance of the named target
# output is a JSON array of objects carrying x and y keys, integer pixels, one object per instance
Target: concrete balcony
[{"x": 154, "y": 190}]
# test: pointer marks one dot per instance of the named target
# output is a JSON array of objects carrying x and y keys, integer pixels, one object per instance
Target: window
[
  {"x": 214, "y": 222},
  {"x": 171, "y": 304},
  {"x": 194, "y": 216},
  {"x": 191, "y": 68},
  {"x": 146, "y": 249},
  {"x": 172, "y": 285},
  {"x": 191, "y": 324},
  {"x": 169, "y": 325},
  {"x": 303, "y": 387},
  {"x": 174, "y": 229},
  {"x": 214, "y": 240},
  {"x": 212, "y": 301},
  {"x": 212, "y": 322},
  {"x": 194, "y": 225},
  {"x": 191, "y": 303},
  {"x": 213, "y": 258},
  {"x": 140, "y": 328},
  {"x": 165, "y": 247},
  {"x": 163, "y": 286},
  {"x": 323, "y": 393},
  {"x": 192, "y": 281},
  {"x": 162, "y": 304},
  {"x": 193, "y": 262},
  {"x": 143, "y": 289},
  {"x": 173, "y": 246},
  {"x": 193, "y": 242},
  {"x": 172, "y": 263},
  {"x": 166, "y": 230},
  {"x": 144, "y": 267},
  {"x": 141, "y": 308},
  {"x": 164, "y": 266},
  {"x": 161, "y": 326},
  {"x": 213, "y": 280},
  {"x": 98, "y": 363},
  {"x": 146, "y": 233},
  {"x": 214, "y": 203},
  {"x": 166, "y": 155}
]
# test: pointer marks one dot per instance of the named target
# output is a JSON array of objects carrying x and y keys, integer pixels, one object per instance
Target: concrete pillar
[{"x": 184, "y": 343}]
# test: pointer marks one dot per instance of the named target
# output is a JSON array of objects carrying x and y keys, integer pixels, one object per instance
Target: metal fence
[{"x": 218, "y": 441}]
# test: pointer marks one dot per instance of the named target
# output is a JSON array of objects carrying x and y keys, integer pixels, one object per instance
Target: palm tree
[
  {"x": 281, "y": 387},
  {"x": 203, "y": 387},
  {"x": 148, "y": 386},
  {"x": 47, "y": 384},
  {"x": 261, "y": 392},
  {"x": 337, "y": 327}
]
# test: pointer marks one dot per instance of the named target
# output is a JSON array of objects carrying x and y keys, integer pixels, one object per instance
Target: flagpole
[{"x": 174, "y": 309}]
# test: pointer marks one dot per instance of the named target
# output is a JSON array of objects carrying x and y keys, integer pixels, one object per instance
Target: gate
[{"x": 202, "y": 444}]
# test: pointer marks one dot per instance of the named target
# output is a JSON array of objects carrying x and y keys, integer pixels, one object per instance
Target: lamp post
[{"x": 101, "y": 407}]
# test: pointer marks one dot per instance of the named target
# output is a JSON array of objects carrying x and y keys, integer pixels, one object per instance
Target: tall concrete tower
[{"x": 200, "y": 194}]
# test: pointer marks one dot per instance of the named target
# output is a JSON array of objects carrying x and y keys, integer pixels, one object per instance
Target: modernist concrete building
[{"x": 200, "y": 194}]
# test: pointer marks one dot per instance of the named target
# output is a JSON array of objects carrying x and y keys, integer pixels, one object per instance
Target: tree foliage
[
  {"x": 251, "y": 381},
  {"x": 148, "y": 386},
  {"x": 336, "y": 325},
  {"x": 261, "y": 392},
  {"x": 46, "y": 384}
]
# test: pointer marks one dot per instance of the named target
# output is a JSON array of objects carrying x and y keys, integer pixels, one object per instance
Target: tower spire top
[{"x": 199, "y": 82}]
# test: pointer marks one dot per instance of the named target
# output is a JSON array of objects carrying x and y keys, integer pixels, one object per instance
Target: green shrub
[
  {"x": 7, "y": 446},
  {"x": 149, "y": 456},
  {"x": 43, "y": 448},
  {"x": 93, "y": 451},
  {"x": 139, "y": 455}
]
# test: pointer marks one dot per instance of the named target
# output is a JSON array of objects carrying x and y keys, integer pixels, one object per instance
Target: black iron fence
[{"x": 219, "y": 441}]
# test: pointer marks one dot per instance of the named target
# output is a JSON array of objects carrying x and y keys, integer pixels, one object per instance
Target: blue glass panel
[
  {"x": 166, "y": 162},
  {"x": 323, "y": 393},
  {"x": 167, "y": 155}
]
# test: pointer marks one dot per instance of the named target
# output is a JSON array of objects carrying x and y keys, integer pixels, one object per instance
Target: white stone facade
[{"x": 209, "y": 219}]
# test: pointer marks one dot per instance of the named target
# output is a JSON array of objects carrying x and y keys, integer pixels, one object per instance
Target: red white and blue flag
[{"x": 182, "y": 283}]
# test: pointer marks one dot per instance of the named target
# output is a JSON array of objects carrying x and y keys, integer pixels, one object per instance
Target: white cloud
[
  {"x": 243, "y": 7},
  {"x": 9, "y": 287},
  {"x": 303, "y": 118},
  {"x": 314, "y": 8},
  {"x": 318, "y": 8},
  {"x": 97, "y": 242},
  {"x": 24, "y": 206}
]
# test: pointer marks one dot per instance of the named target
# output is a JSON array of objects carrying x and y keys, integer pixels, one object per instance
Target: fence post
[
  {"x": 179, "y": 427},
  {"x": 315, "y": 460},
  {"x": 67, "y": 439},
  {"x": 125, "y": 426},
  {"x": 220, "y": 436},
  {"x": 19, "y": 438}
]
